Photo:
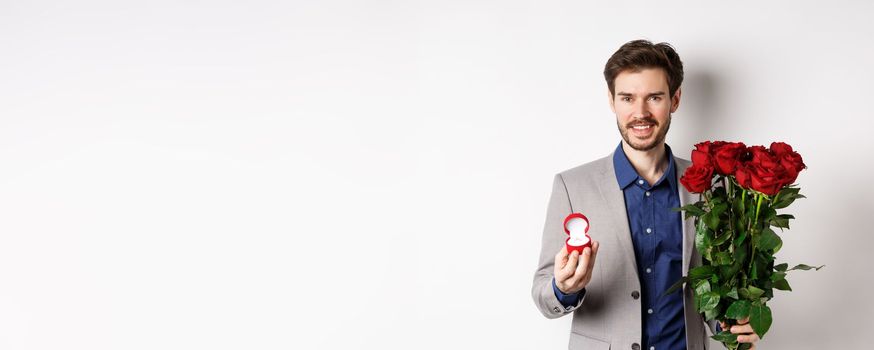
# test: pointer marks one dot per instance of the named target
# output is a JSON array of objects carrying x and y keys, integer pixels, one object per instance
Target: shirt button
[
  {"x": 635, "y": 295},
  {"x": 648, "y": 270},
  {"x": 556, "y": 309},
  {"x": 648, "y": 230},
  {"x": 640, "y": 182},
  {"x": 649, "y": 311},
  {"x": 635, "y": 346},
  {"x": 652, "y": 348},
  {"x": 647, "y": 193}
]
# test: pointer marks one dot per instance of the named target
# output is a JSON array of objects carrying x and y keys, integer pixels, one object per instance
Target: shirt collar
[{"x": 626, "y": 175}]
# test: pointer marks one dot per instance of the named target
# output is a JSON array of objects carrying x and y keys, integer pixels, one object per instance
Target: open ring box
[{"x": 576, "y": 226}]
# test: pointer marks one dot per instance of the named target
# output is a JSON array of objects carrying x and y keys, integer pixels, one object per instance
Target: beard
[{"x": 648, "y": 144}]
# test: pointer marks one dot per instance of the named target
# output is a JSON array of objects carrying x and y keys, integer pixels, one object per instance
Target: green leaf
[
  {"x": 786, "y": 191},
  {"x": 782, "y": 284},
  {"x": 739, "y": 206},
  {"x": 724, "y": 236},
  {"x": 711, "y": 220},
  {"x": 691, "y": 210},
  {"x": 741, "y": 237},
  {"x": 786, "y": 197},
  {"x": 702, "y": 272},
  {"x": 738, "y": 310},
  {"x": 767, "y": 212},
  {"x": 720, "y": 208},
  {"x": 677, "y": 285},
  {"x": 712, "y": 314},
  {"x": 725, "y": 337},
  {"x": 778, "y": 275},
  {"x": 768, "y": 240},
  {"x": 760, "y": 318},
  {"x": 781, "y": 267},
  {"x": 732, "y": 293},
  {"x": 702, "y": 240},
  {"x": 755, "y": 292},
  {"x": 806, "y": 267},
  {"x": 709, "y": 301},
  {"x": 782, "y": 220},
  {"x": 701, "y": 287},
  {"x": 723, "y": 258}
]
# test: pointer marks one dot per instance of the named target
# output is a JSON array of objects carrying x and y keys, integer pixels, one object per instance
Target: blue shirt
[{"x": 657, "y": 236}]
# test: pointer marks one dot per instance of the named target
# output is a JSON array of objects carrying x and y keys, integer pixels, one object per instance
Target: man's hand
[
  {"x": 744, "y": 331},
  {"x": 574, "y": 271}
]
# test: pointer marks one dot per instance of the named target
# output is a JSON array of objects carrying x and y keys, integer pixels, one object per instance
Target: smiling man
[{"x": 640, "y": 244}]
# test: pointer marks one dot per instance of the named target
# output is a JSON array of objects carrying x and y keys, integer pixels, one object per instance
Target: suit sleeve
[{"x": 552, "y": 241}]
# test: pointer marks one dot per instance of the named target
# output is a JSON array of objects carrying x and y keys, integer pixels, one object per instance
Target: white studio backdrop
[{"x": 375, "y": 174}]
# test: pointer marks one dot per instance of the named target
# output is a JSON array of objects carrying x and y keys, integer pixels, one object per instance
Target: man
[{"x": 640, "y": 246}]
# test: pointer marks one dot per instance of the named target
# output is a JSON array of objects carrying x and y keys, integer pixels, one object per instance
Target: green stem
[
  {"x": 758, "y": 206},
  {"x": 752, "y": 231}
]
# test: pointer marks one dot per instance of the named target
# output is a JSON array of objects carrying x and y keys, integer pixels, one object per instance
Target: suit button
[
  {"x": 635, "y": 346},
  {"x": 635, "y": 295}
]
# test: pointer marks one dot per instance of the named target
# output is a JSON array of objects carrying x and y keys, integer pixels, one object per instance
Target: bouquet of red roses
[{"x": 741, "y": 188}]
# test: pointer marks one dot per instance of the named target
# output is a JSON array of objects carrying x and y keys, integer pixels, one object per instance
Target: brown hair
[{"x": 640, "y": 54}]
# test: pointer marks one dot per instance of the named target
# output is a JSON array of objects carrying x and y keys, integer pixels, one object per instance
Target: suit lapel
[
  {"x": 615, "y": 200},
  {"x": 686, "y": 197}
]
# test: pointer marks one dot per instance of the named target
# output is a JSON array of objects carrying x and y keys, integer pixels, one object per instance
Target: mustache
[{"x": 642, "y": 121}]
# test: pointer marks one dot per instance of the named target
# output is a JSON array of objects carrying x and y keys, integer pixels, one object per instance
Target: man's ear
[
  {"x": 610, "y": 99},
  {"x": 675, "y": 100}
]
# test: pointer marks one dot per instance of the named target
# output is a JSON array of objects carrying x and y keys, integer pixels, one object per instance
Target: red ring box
[{"x": 577, "y": 242}]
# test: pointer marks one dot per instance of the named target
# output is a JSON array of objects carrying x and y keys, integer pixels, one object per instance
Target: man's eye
[
  {"x": 656, "y": 98},
  {"x": 626, "y": 99}
]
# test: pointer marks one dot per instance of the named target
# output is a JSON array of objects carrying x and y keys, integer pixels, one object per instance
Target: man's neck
[{"x": 650, "y": 165}]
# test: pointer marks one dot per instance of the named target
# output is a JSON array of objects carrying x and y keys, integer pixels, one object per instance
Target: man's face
[{"x": 642, "y": 107}]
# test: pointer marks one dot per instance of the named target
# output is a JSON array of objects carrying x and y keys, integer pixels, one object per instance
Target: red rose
[
  {"x": 742, "y": 174},
  {"x": 709, "y": 147},
  {"x": 762, "y": 156},
  {"x": 780, "y": 148},
  {"x": 769, "y": 180},
  {"x": 701, "y": 158},
  {"x": 727, "y": 157},
  {"x": 764, "y": 172},
  {"x": 697, "y": 178},
  {"x": 788, "y": 158}
]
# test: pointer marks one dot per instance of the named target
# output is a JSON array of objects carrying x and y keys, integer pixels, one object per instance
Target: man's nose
[{"x": 641, "y": 110}]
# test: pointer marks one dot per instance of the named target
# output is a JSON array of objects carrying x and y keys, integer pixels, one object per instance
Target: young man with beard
[{"x": 640, "y": 246}]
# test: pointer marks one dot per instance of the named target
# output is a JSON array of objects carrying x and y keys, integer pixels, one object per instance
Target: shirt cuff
[{"x": 567, "y": 300}]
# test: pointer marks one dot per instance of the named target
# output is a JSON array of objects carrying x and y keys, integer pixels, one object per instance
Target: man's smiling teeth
[{"x": 642, "y": 127}]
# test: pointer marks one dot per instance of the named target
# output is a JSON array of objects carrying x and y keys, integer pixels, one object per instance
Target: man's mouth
[{"x": 642, "y": 130}]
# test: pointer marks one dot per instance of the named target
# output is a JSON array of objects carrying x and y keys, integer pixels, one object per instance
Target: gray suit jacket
[{"x": 607, "y": 316}]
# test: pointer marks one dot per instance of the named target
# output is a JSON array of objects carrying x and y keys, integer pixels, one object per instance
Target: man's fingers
[
  {"x": 561, "y": 257},
  {"x": 742, "y": 329},
  {"x": 572, "y": 263},
  {"x": 745, "y": 332},
  {"x": 595, "y": 246},
  {"x": 583, "y": 265},
  {"x": 748, "y": 338}
]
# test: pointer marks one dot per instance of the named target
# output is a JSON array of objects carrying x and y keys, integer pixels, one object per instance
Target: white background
[{"x": 345, "y": 174}]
